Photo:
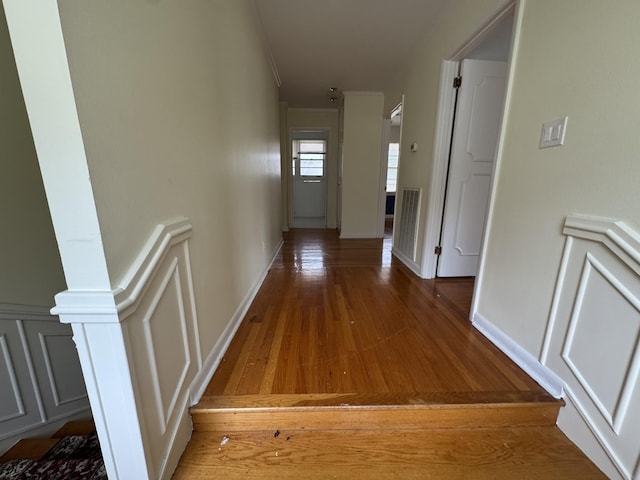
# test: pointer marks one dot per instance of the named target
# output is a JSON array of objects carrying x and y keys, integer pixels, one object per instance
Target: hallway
[
  {"x": 347, "y": 365},
  {"x": 343, "y": 316}
]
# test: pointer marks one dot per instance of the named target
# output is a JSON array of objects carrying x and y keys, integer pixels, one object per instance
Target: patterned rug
[{"x": 74, "y": 457}]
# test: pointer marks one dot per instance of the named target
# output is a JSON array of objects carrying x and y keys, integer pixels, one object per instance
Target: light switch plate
[{"x": 553, "y": 133}]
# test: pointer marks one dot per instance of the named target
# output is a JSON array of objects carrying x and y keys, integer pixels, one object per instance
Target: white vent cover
[{"x": 409, "y": 222}]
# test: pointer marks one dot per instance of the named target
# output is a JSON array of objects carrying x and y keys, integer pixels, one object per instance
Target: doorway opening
[
  {"x": 456, "y": 220},
  {"x": 393, "y": 159},
  {"x": 308, "y": 179}
]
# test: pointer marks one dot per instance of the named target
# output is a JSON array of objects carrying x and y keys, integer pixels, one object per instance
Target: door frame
[
  {"x": 290, "y": 137},
  {"x": 442, "y": 138},
  {"x": 382, "y": 189}
]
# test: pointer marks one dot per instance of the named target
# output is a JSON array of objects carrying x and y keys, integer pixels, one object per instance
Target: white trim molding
[
  {"x": 551, "y": 382},
  {"x": 139, "y": 395},
  {"x": 410, "y": 264},
  {"x": 140, "y": 399},
  {"x": 363, "y": 236},
  {"x": 593, "y": 336},
  {"x": 441, "y": 149}
]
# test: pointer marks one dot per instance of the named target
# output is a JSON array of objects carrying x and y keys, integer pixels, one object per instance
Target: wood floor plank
[
  {"x": 483, "y": 453},
  {"x": 333, "y": 317},
  {"x": 347, "y": 365}
]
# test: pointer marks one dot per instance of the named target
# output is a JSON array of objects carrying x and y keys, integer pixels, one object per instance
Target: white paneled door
[{"x": 475, "y": 134}]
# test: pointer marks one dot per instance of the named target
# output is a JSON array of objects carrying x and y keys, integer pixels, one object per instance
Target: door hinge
[
  {"x": 457, "y": 82},
  {"x": 438, "y": 250}
]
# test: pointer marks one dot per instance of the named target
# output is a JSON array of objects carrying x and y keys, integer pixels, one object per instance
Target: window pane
[
  {"x": 312, "y": 156},
  {"x": 392, "y": 180},
  {"x": 311, "y": 163},
  {"x": 392, "y": 167},
  {"x": 312, "y": 146}
]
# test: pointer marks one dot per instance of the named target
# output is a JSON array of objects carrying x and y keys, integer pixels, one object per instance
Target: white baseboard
[
  {"x": 531, "y": 365},
  {"x": 347, "y": 236},
  {"x": 214, "y": 357},
  {"x": 411, "y": 265}
]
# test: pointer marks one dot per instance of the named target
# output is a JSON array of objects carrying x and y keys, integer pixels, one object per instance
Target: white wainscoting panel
[
  {"x": 157, "y": 311},
  {"x": 42, "y": 383},
  {"x": 140, "y": 351},
  {"x": 593, "y": 337}
]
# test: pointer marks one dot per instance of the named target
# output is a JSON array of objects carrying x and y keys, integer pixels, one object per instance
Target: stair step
[
  {"x": 29, "y": 449},
  {"x": 76, "y": 427},
  {"x": 479, "y": 453},
  {"x": 374, "y": 411}
]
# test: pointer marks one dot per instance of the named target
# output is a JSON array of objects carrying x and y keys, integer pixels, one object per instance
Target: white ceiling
[{"x": 357, "y": 45}]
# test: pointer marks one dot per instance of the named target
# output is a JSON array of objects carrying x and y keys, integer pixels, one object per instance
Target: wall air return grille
[{"x": 409, "y": 222}]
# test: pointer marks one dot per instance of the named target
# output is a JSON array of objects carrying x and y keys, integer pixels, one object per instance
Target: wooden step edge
[
  {"x": 204, "y": 409},
  {"x": 446, "y": 399},
  {"x": 75, "y": 427},
  {"x": 375, "y": 418},
  {"x": 29, "y": 449}
]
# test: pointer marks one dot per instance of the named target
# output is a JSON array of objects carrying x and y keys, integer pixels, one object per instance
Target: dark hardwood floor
[
  {"x": 343, "y": 316},
  {"x": 347, "y": 365}
]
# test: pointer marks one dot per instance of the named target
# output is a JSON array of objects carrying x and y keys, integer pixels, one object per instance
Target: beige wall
[
  {"x": 31, "y": 272},
  {"x": 580, "y": 62},
  {"x": 179, "y": 114},
  {"x": 361, "y": 156},
  {"x": 457, "y": 22},
  {"x": 590, "y": 77},
  {"x": 323, "y": 119}
]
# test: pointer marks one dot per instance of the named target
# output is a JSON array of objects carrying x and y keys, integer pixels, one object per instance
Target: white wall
[
  {"x": 581, "y": 62},
  {"x": 31, "y": 272},
  {"x": 179, "y": 117},
  {"x": 42, "y": 385},
  {"x": 143, "y": 113},
  {"x": 325, "y": 119},
  {"x": 456, "y": 23},
  {"x": 361, "y": 156}
]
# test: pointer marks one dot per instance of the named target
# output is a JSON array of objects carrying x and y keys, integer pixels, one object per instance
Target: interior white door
[
  {"x": 309, "y": 182},
  {"x": 475, "y": 134}
]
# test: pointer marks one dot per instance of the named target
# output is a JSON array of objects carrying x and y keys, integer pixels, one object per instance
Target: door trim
[
  {"x": 442, "y": 138},
  {"x": 384, "y": 162}
]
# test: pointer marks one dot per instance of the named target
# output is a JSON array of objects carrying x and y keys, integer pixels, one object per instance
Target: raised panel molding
[
  {"x": 146, "y": 329},
  {"x": 63, "y": 368},
  {"x": 470, "y": 218},
  {"x": 156, "y": 305},
  {"x": 481, "y": 127},
  {"x": 11, "y": 404},
  {"x": 611, "y": 393},
  {"x": 37, "y": 375},
  {"x": 167, "y": 303},
  {"x": 593, "y": 334}
]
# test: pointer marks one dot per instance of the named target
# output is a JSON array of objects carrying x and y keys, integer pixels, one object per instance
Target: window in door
[
  {"x": 392, "y": 167},
  {"x": 309, "y": 158}
]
